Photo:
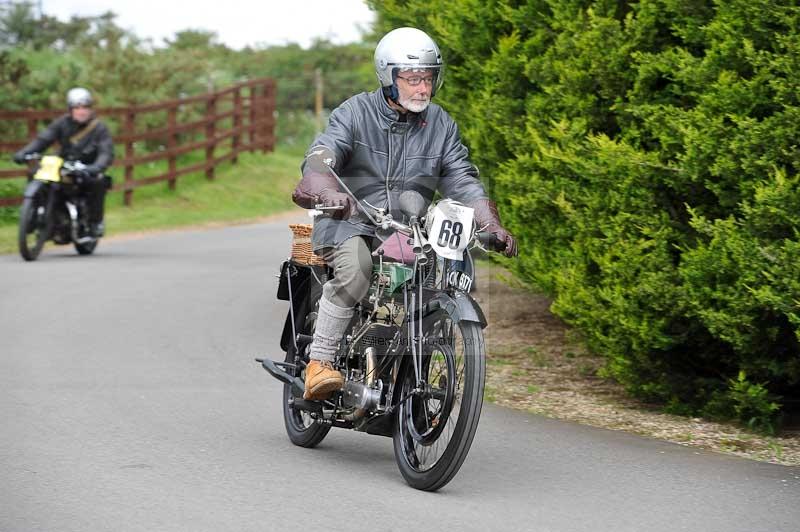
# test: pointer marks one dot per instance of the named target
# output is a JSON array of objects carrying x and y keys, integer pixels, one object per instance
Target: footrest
[
  {"x": 304, "y": 339},
  {"x": 281, "y": 374}
]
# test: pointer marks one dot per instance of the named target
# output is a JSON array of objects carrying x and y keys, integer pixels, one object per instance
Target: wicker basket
[{"x": 301, "y": 245}]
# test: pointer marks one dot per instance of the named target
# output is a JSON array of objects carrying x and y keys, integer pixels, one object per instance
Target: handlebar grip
[
  {"x": 490, "y": 241},
  {"x": 26, "y": 158}
]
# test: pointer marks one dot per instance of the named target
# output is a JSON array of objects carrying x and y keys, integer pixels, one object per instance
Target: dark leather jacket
[
  {"x": 95, "y": 149},
  {"x": 379, "y": 154}
]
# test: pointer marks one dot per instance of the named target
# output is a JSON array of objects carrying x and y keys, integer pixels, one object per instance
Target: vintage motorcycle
[
  {"x": 413, "y": 357},
  {"x": 52, "y": 208}
]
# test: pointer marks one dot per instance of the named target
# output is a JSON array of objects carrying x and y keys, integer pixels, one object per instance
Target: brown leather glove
[
  {"x": 319, "y": 187},
  {"x": 488, "y": 219},
  {"x": 322, "y": 189}
]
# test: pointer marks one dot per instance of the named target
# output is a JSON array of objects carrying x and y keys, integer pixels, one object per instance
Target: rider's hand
[
  {"x": 334, "y": 198},
  {"x": 488, "y": 220},
  {"x": 504, "y": 236},
  {"x": 19, "y": 157}
]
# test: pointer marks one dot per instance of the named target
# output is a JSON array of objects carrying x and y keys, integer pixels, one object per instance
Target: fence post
[
  {"x": 31, "y": 128},
  {"x": 253, "y": 120},
  {"x": 211, "y": 111},
  {"x": 270, "y": 110},
  {"x": 172, "y": 144},
  {"x": 130, "y": 126},
  {"x": 264, "y": 112},
  {"x": 237, "y": 123},
  {"x": 319, "y": 93}
]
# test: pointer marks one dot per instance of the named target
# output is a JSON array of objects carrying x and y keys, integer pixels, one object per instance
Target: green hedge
[{"x": 646, "y": 154}]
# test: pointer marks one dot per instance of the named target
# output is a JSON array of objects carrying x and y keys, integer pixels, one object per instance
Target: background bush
[{"x": 646, "y": 154}]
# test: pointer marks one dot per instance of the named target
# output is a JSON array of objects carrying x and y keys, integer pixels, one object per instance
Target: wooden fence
[{"x": 242, "y": 114}]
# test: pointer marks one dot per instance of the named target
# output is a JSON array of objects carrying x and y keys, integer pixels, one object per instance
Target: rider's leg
[
  {"x": 352, "y": 266},
  {"x": 95, "y": 199}
]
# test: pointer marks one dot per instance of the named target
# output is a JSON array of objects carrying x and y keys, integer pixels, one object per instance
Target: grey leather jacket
[{"x": 378, "y": 157}]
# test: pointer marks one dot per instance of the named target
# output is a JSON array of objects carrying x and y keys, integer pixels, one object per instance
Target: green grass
[{"x": 258, "y": 185}]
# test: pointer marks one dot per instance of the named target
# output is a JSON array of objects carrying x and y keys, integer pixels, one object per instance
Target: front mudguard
[
  {"x": 33, "y": 187},
  {"x": 41, "y": 188},
  {"x": 460, "y": 307}
]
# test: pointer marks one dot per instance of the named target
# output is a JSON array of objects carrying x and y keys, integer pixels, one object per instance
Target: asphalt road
[{"x": 129, "y": 400}]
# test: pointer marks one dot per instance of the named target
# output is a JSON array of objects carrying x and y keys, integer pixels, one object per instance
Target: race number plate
[
  {"x": 49, "y": 169},
  {"x": 451, "y": 229}
]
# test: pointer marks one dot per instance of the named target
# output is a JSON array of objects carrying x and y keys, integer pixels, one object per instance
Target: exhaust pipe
[{"x": 419, "y": 247}]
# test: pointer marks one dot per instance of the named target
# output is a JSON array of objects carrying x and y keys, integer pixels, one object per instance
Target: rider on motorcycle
[
  {"x": 81, "y": 137},
  {"x": 395, "y": 132}
]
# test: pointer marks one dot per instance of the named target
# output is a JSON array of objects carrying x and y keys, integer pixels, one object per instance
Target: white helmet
[
  {"x": 407, "y": 49},
  {"x": 79, "y": 96}
]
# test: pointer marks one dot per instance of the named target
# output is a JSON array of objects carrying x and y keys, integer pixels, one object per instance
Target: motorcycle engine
[
  {"x": 379, "y": 337},
  {"x": 61, "y": 228}
]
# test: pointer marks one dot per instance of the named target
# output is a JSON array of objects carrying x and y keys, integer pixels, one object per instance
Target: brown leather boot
[{"x": 321, "y": 380}]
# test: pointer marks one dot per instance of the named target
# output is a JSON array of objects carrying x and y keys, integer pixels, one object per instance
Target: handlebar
[
  {"x": 382, "y": 219},
  {"x": 490, "y": 241},
  {"x": 75, "y": 169},
  {"x": 28, "y": 157}
]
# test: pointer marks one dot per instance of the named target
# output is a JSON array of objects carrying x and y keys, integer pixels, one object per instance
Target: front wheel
[
  {"x": 34, "y": 223},
  {"x": 437, "y": 420}
]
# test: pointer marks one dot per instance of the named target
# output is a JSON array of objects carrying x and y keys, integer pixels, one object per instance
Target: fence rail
[{"x": 239, "y": 118}]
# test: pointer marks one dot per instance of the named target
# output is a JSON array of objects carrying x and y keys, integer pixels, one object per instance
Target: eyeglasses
[{"x": 416, "y": 80}]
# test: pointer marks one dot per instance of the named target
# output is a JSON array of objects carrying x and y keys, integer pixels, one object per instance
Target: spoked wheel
[
  {"x": 300, "y": 426},
  {"x": 436, "y": 423},
  {"x": 34, "y": 226}
]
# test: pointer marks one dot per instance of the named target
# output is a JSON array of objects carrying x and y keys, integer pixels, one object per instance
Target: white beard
[{"x": 415, "y": 106}]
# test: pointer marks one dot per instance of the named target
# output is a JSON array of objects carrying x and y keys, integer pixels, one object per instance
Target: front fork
[{"x": 416, "y": 333}]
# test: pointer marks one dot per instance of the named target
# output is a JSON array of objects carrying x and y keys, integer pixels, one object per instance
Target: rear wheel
[
  {"x": 34, "y": 224},
  {"x": 437, "y": 421},
  {"x": 301, "y": 428},
  {"x": 86, "y": 248}
]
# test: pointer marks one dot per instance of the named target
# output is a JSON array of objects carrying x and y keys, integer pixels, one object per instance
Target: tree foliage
[{"x": 41, "y": 58}]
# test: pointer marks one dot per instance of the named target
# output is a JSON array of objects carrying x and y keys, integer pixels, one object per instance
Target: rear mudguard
[{"x": 295, "y": 285}]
